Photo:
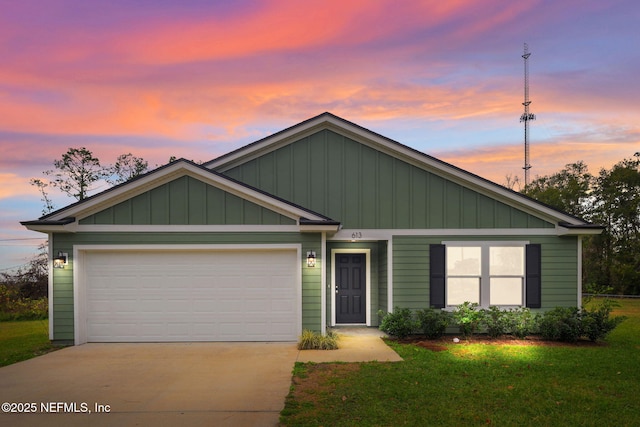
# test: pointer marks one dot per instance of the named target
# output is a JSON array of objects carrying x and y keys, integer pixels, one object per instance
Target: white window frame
[{"x": 485, "y": 274}]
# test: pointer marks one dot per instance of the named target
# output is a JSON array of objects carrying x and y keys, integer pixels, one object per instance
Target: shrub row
[
  {"x": 559, "y": 324},
  {"x": 571, "y": 324}
]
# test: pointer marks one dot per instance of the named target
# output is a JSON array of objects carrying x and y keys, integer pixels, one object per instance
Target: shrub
[
  {"x": 496, "y": 321},
  {"x": 311, "y": 340},
  {"x": 400, "y": 323},
  {"x": 570, "y": 324},
  {"x": 597, "y": 323},
  {"x": 329, "y": 341},
  {"x": 468, "y": 318},
  {"x": 14, "y": 307},
  {"x": 522, "y": 322},
  {"x": 561, "y": 324},
  {"x": 433, "y": 322}
]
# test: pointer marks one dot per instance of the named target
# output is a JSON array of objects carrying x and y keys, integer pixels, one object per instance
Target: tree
[
  {"x": 567, "y": 190},
  {"x": 42, "y": 187},
  {"x": 511, "y": 182},
  {"x": 126, "y": 168},
  {"x": 77, "y": 172},
  {"x": 31, "y": 281},
  {"x": 612, "y": 199},
  {"x": 616, "y": 252}
]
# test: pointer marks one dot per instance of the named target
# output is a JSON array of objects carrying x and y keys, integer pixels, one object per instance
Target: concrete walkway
[{"x": 356, "y": 344}]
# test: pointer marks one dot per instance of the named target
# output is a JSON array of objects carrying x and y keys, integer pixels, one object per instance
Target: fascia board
[
  {"x": 163, "y": 228},
  {"x": 578, "y": 231},
  {"x": 45, "y": 228},
  {"x": 117, "y": 195},
  {"x": 313, "y": 228}
]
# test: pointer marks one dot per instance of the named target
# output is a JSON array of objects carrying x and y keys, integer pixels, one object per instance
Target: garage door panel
[
  {"x": 192, "y": 296},
  {"x": 152, "y": 330}
]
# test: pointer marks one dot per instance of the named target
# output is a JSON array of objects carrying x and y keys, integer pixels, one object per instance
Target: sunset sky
[{"x": 196, "y": 79}]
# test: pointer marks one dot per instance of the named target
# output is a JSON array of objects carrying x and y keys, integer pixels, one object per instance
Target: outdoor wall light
[
  {"x": 61, "y": 260},
  {"x": 311, "y": 259}
]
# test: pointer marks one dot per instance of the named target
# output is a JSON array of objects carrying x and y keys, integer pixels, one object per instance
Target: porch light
[
  {"x": 60, "y": 261},
  {"x": 311, "y": 259}
]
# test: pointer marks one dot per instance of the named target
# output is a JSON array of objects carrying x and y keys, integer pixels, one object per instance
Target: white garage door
[{"x": 191, "y": 296}]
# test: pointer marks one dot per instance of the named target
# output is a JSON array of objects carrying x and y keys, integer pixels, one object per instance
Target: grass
[
  {"x": 22, "y": 340},
  {"x": 479, "y": 384}
]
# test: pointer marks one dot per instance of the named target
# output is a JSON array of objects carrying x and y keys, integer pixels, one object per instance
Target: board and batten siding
[
  {"x": 63, "y": 304},
  {"x": 364, "y": 188},
  {"x": 186, "y": 201},
  {"x": 411, "y": 268}
]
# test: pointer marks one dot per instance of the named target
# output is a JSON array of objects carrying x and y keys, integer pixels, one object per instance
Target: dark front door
[{"x": 351, "y": 288}]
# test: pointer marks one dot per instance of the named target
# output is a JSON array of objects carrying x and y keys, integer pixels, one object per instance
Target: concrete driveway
[{"x": 163, "y": 384}]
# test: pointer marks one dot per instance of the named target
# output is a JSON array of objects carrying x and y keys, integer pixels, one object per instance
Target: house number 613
[{"x": 356, "y": 235}]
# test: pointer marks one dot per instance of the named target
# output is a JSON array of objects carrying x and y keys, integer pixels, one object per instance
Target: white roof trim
[
  {"x": 313, "y": 228},
  {"x": 46, "y": 228},
  {"x": 564, "y": 231},
  {"x": 395, "y": 149},
  {"x": 169, "y": 228},
  {"x": 367, "y": 235},
  {"x": 173, "y": 171}
]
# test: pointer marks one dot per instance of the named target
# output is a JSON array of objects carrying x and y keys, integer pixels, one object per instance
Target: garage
[{"x": 170, "y": 295}]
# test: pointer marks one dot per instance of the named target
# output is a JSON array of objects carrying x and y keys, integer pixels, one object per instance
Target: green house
[{"x": 322, "y": 224}]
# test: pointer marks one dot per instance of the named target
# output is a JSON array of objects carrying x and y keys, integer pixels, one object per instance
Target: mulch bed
[{"x": 440, "y": 344}]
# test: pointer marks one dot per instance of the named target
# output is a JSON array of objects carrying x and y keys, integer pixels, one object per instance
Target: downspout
[
  {"x": 579, "y": 272},
  {"x": 323, "y": 283},
  {"x": 50, "y": 283},
  {"x": 390, "y": 275}
]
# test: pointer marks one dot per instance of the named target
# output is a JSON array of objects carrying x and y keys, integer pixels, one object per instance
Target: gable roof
[
  {"x": 67, "y": 218},
  {"x": 326, "y": 121}
]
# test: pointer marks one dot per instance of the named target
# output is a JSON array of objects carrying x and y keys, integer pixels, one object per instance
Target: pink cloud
[
  {"x": 108, "y": 86},
  {"x": 496, "y": 162},
  {"x": 225, "y": 78},
  {"x": 14, "y": 185}
]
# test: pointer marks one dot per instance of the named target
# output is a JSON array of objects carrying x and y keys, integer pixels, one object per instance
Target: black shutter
[
  {"x": 533, "y": 282},
  {"x": 437, "y": 268}
]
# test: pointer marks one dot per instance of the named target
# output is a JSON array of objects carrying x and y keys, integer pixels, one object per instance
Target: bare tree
[
  {"x": 42, "y": 188},
  {"x": 77, "y": 172},
  {"x": 126, "y": 168},
  {"x": 512, "y": 182}
]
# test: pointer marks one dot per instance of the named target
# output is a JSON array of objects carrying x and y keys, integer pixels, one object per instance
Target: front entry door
[{"x": 351, "y": 288}]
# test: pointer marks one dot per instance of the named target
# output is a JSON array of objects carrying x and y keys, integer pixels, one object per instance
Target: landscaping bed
[{"x": 440, "y": 344}]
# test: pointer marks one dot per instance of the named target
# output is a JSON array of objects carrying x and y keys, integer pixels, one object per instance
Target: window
[
  {"x": 487, "y": 273},
  {"x": 498, "y": 273},
  {"x": 506, "y": 275},
  {"x": 464, "y": 274}
]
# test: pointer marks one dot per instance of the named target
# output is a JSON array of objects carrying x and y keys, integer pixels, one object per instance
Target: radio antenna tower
[{"x": 527, "y": 116}]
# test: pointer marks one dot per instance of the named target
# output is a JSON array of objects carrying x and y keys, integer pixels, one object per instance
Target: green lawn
[
  {"x": 479, "y": 384},
  {"x": 24, "y": 339}
]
